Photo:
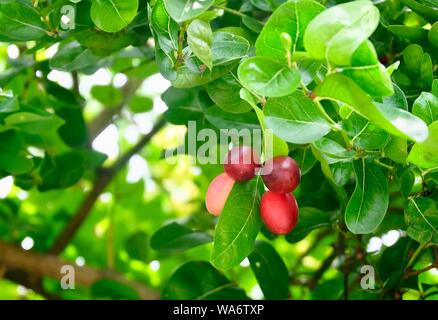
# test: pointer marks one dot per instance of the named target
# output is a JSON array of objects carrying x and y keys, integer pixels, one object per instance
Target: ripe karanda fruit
[
  {"x": 241, "y": 163},
  {"x": 281, "y": 174},
  {"x": 279, "y": 212},
  {"x": 217, "y": 193}
]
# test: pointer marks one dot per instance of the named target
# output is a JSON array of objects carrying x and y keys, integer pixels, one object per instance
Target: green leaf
[
  {"x": 73, "y": 57},
  {"x": 369, "y": 201},
  {"x": 238, "y": 225},
  {"x": 187, "y": 79},
  {"x": 421, "y": 216},
  {"x": 200, "y": 40},
  {"x": 225, "y": 94},
  {"x": 8, "y": 104},
  {"x": 429, "y": 12},
  {"x": 269, "y": 268},
  {"x": 424, "y": 154},
  {"x": 368, "y": 72},
  {"x": 305, "y": 158},
  {"x": 407, "y": 181},
  {"x": 182, "y": 106},
  {"x": 267, "y": 77},
  {"x": 13, "y": 155},
  {"x": 224, "y": 120},
  {"x": 291, "y": 18},
  {"x": 412, "y": 34},
  {"x": 337, "y": 32},
  {"x": 198, "y": 280},
  {"x": 140, "y": 104},
  {"x": 20, "y": 22},
  {"x": 394, "y": 120},
  {"x": 175, "y": 238},
  {"x": 333, "y": 151},
  {"x": 433, "y": 35},
  {"x": 33, "y": 123},
  {"x": 426, "y": 107},
  {"x": 113, "y": 15},
  {"x": 137, "y": 246},
  {"x": 107, "y": 95},
  {"x": 365, "y": 134},
  {"x": 183, "y": 10},
  {"x": 391, "y": 266},
  {"x": 295, "y": 119},
  {"x": 111, "y": 289},
  {"x": 396, "y": 149},
  {"x": 228, "y": 47},
  {"x": 309, "y": 220}
]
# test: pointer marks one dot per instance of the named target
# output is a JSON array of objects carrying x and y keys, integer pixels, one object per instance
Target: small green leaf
[
  {"x": 107, "y": 95},
  {"x": 137, "y": 246},
  {"x": 198, "y": 280},
  {"x": 238, "y": 225},
  {"x": 33, "y": 123},
  {"x": 424, "y": 154},
  {"x": 336, "y": 33},
  {"x": 140, "y": 104},
  {"x": 200, "y": 40},
  {"x": 225, "y": 93},
  {"x": 175, "y": 238},
  {"x": 305, "y": 158},
  {"x": 396, "y": 149},
  {"x": 8, "y": 104},
  {"x": 268, "y": 77},
  {"x": 183, "y": 10},
  {"x": 333, "y": 151},
  {"x": 228, "y": 47},
  {"x": 187, "y": 79},
  {"x": 13, "y": 154},
  {"x": 292, "y": 18},
  {"x": 426, "y": 107},
  {"x": 369, "y": 201},
  {"x": 269, "y": 268},
  {"x": 309, "y": 220},
  {"x": 421, "y": 216},
  {"x": 113, "y": 15},
  {"x": 295, "y": 119}
]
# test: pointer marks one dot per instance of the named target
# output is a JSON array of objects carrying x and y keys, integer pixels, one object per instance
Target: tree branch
[
  {"x": 105, "y": 176},
  {"x": 46, "y": 265}
]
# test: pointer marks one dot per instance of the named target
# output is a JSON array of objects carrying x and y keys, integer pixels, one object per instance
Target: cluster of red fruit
[{"x": 281, "y": 175}]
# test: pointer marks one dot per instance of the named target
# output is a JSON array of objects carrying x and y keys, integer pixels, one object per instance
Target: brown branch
[
  {"x": 46, "y": 265},
  {"x": 105, "y": 176},
  {"x": 417, "y": 272}
]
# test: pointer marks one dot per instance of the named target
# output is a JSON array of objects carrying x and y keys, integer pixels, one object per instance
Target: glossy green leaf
[
  {"x": 368, "y": 72},
  {"x": 269, "y": 268},
  {"x": 32, "y": 122},
  {"x": 107, "y": 95},
  {"x": 295, "y": 119},
  {"x": 421, "y": 216},
  {"x": 13, "y": 155},
  {"x": 200, "y": 40},
  {"x": 20, "y": 21},
  {"x": 292, "y": 18},
  {"x": 228, "y": 47},
  {"x": 426, "y": 107},
  {"x": 305, "y": 158},
  {"x": 140, "y": 104},
  {"x": 175, "y": 238},
  {"x": 8, "y": 104},
  {"x": 238, "y": 225},
  {"x": 72, "y": 57},
  {"x": 113, "y": 15},
  {"x": 187, "y": 79},
  {"x": 333, "y": 151},
  {"x": 396, "y": 149},
  {"x": 198, "y": 280},
  {"x": 394, "y": 120},
  {"x": 424, "y": 154},
  {"x": 225, "y": 93},
  {"x": 309, "y": 219},
  {"x": 336, "y": 33},
  {"x": 183, "y": 10},
  {"x": 268, "y": 77},
  {"x": 369, "y": 201}
]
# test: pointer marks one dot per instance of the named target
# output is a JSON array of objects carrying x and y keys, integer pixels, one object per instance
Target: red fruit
[
  {"x": 241, "y": 163},
  {"x": 281, "y": 174},
  {"x": 279, "y": 212},
  {"x": 217, "y": 193}
]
